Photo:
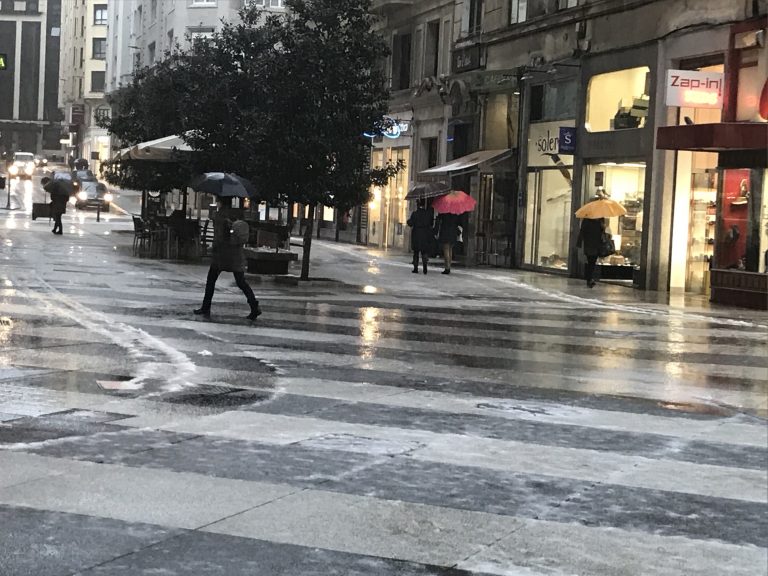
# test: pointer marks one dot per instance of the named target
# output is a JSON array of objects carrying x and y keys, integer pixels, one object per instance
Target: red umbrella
[{"x": 456, "y": 202}]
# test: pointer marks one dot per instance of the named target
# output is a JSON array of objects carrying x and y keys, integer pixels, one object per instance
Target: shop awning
[
  {"x": 469, "y": 161},
  {"x": 720, "y": 137},
  {"x": 160, "y": 149}
]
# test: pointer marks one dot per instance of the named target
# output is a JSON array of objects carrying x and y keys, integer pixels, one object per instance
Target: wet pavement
[{"x": 372, "y": 422}]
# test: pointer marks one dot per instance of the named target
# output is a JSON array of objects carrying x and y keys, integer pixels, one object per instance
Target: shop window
[
  {"x": 548, "y": 219},
  {"x": 624, "y": 183},
  {"x": 151, "y": 52},
  {"x": 618, "y": 100},
  {"x": 401, "y": 62},
  {"x": 742, "y": 223}
]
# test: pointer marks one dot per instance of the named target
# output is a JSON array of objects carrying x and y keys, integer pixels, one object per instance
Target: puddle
[
  {"x": 216, "y": 397},
  {"x": 708, "y": 409}
]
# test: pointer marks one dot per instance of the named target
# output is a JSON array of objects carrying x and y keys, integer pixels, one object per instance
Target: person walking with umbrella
[
  {"x": 593, "y": 238},
  {"x": 60, "y": 191},
  {"x": 229, "y": 237},
  {"x": 451, "y": 208},
  {"x": 421, "y": 221}
]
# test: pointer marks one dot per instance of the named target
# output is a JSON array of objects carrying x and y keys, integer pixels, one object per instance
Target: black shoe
[
  {"x": 254, "y": 313},
  {"x": 425, "y": 269},
  {"x": 445, "y": 272},
  {"x": 591, "y": 283},
  {"x": 415, "y": 270},
  {"x": 204, "y": 312}
]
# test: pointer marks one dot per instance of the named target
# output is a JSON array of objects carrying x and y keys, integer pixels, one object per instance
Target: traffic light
[{"x": 3, "y": 61}]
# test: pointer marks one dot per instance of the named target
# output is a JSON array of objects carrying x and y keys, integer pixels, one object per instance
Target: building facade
[
  {"x": 548, "y": 102},
  {"x": 83, "y": 78},
  {"x": 29, "y": 39}
]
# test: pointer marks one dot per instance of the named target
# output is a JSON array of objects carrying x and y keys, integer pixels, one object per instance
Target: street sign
[{"x": 3, "y": 61}]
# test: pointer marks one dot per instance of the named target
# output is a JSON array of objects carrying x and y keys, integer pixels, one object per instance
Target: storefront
[
  {"x": 387, "y": 212},
  {"x": 615, "y": 145},
  {"x": 549, "y": 192},
  {"x": 728, "y": 217},
  {"x": 388, "y": 209}
]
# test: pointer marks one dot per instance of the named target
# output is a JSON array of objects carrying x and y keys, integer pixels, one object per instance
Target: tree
[
  {"x": 281, "y": 100},
  {"x": 328, "y": 89}
]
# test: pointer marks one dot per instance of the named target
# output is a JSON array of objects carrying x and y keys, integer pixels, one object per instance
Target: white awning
[
  {"x": 160, "y": 149},
  {"x": 469, "y": 161}
]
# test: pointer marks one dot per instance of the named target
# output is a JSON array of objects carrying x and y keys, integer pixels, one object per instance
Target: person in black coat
[
  {"x": 60, "y": 192},
  {"x": 590, "y": 241},
  {"x": 227, "y": 256},
  {"x": 447, "y": 232},
  {"x": 421, "y": 221}
]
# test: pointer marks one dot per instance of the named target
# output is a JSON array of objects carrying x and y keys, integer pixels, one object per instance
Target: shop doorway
[
  {"x": 694, "y": 216},
  {"x": 388, "y": 210},
  {"x": 548, "y": 219}
]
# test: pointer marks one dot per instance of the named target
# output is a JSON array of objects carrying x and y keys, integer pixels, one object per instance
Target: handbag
[{"x": 607, "y": 246}]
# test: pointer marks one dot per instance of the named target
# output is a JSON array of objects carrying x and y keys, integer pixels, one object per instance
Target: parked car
[
  {"x": 89, "y": 191},
  {"x": 22, "y": 166}
]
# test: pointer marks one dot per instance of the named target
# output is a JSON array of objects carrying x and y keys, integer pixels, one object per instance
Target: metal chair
[{"x": 141, "y": 235}]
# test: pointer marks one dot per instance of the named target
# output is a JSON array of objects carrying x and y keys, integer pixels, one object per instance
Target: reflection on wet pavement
[{"x": 371, "y": 422}]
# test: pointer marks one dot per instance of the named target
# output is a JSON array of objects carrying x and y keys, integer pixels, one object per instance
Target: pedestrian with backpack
[{"x": 229, "y": 237}]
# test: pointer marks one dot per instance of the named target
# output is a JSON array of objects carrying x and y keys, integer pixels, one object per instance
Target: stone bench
[{"x": 268, "y": 261}]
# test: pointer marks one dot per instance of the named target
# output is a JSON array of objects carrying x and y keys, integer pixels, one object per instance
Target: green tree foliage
[{"x": 281, "y": 100}]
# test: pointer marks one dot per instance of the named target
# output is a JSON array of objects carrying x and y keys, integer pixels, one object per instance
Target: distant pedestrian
[
  {"x": 447, "y": 232},
  {"x": 227, "y": 256},
  {"x": 60, "y": 192},
  {"x": 590, "y": 241},
  {"x": 422, "y": 239}
]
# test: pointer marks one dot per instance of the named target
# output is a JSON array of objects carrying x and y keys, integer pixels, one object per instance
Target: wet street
[{"x": 371, "y": 422}]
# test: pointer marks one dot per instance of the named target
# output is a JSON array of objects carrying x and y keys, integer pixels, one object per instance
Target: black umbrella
[
  {"x": 223, "y": 185},
  {"x": 427, "y": 190}
]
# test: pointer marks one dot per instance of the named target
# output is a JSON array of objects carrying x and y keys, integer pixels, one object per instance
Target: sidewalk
[{"x": 390, "y": 272}]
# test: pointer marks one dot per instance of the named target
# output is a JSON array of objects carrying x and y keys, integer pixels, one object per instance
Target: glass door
[{"x": 548, "y": 219}]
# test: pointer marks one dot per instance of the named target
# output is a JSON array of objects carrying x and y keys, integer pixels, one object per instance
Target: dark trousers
[
  {"x": 210, "y": 286},
  {"x": 57, "y": 228},
  {"x": 424, "y": 258},
  {"x": 591, "y": 265}
]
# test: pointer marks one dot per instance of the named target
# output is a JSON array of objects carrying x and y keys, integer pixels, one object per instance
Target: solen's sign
[{"x": 692, "y": 89}]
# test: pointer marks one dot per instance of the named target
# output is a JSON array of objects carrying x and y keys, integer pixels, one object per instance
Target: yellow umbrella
[{"x": 603, "y": 208}]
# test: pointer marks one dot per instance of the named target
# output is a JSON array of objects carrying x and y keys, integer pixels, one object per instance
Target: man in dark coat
[
  {"x": 590, "y": 241},
  {"x": 421, "y": 221},
  {"x": 447, "y": 232},
  {"x": 227, "y": 256},
  {"x": 60, "y": 191}
]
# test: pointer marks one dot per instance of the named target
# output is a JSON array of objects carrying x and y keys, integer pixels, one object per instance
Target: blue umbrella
[{"x": 224, "y": 185}]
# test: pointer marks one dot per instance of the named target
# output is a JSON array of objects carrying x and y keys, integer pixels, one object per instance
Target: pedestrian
[
  {"x": 447, "y": 232},
  {"x": 227, "y": 256},
  {"x": 421, "y": 222},
  {"x": 60, "y": 193},
  {"x": 590, "y": 241}
]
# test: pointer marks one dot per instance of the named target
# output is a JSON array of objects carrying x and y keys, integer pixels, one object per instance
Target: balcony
[{"x": 386, "y": 6}]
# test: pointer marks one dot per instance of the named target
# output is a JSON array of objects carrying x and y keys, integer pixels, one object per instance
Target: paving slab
[
  {"x": 204, "y": 554},
  {"x": 45, "y": 543},
  {"x": 140, "y": 494},
  {"x": 555, "y": 549},
  {"x": 361, "y": 525}
]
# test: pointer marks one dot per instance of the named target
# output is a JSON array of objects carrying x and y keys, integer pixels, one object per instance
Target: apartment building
[
  {"x": 83, "y": 78},
  {"x": 29, "y": 41},
  {"x": 549, "y": 102},
  {"x": 142, "y": 31}
]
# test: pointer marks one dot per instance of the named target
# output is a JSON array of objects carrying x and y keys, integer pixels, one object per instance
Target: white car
[{"x": 23, "y": 165}]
